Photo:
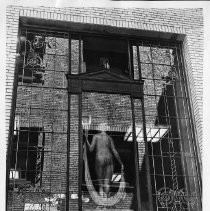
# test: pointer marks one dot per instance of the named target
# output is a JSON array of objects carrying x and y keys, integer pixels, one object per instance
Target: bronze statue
[{"x": 104, "y": 166}]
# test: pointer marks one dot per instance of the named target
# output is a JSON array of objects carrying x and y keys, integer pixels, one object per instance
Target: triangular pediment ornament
[
  {"x": 105, "y": 75},
  {"x": 104, "y": 81}
]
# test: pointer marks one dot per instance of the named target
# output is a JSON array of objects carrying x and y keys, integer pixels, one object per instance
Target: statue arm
[
  {"x": 92, "y": 145},
  {"x": 116, "y": 153}
]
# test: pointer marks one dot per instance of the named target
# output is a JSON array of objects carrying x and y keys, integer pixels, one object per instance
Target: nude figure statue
[{"x": 104, "y": 166}]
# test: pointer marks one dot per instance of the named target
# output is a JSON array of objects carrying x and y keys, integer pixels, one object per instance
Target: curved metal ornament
[
  {"x": 34, "y": 60},
  {"x": 165, "y": 196},
  {"x": 175, "y": 198}
]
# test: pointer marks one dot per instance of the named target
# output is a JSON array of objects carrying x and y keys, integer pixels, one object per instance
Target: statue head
[{"x": 103, "y": 127}]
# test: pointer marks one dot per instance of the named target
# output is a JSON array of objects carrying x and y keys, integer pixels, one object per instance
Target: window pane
[
  {"x": 168, "y": 127},
  {"x": 106, "y": 120},
  {"x": 38, "y": 160},
  {"x": 105, "y": 54}
]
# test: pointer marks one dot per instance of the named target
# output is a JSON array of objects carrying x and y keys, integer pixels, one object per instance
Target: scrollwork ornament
[
  {"x": 165, "y": 196},
  {"x": 178, "y": 196},
  {"x": 34, "y": 60},
  {"x": 175, "y": 198}
]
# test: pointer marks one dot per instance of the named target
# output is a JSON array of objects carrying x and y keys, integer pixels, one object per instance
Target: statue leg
[
  {"x": 108, "y": 176},
  {"x": 99, "y": 174}
]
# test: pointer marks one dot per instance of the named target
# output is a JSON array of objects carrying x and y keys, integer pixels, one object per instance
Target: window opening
[
  {"x": 40, "y": 135},
  {"x": 105, "y": 54}
]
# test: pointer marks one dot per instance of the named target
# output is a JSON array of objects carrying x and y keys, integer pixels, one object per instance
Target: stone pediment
[
  {"x": 104, "y": 81},
  {"x": 105, "y": 75}
]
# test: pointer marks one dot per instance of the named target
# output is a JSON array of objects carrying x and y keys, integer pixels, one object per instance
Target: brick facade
[{"x": 187, "y": 22}]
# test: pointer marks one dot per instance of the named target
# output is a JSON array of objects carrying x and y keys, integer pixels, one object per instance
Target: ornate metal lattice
[
  {"x": 33, "y": 49},
  {"x": 175, "y": 198}
]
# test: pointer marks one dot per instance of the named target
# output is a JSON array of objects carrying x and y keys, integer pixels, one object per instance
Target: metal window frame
[{"x": 130, "y": 39}]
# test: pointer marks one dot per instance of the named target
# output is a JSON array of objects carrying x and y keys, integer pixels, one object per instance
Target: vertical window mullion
[
  {"x": 136, "y": 159},
  {"x": 161, "y": 150},
  {"x": 139, "y": 62},
  {"x": 42, "y": 126},
  {"x": 145, "y": 137},
  {"x": 129, "y": 59},
  {"x": 68, "y": 133},
  {"x": 24, "y": 59},
  {"x": 29, "y": 130},
  {"x": 80, "y": 56},
  {"x": 147, "y": 157},
  {"x": 30, "y": 98},
  {"x": 135, "y": 145},
  {"x": 53, "y": 109},
  {"x": 80, "y": 157}
]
